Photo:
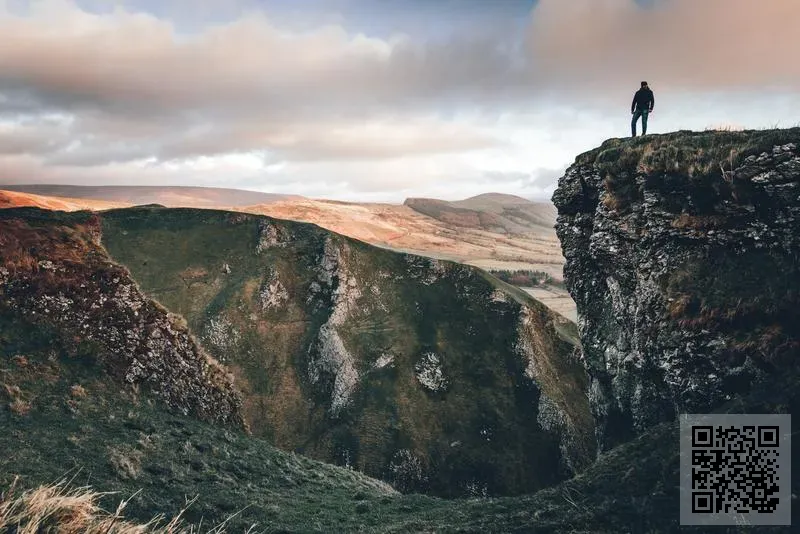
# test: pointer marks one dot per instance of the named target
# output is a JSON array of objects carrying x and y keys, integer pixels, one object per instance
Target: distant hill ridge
[
  {"x": 492, "y": 212},
  {"x": 15, "y": 199},
  {"x": 170, "y": 196}
]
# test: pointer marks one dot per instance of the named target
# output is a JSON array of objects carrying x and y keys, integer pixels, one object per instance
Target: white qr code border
[{"x": 705, "y": 487}]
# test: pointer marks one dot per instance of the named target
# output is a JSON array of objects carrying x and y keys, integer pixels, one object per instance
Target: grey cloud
[
  {"x": 133, "y": 60},
  {"x": 136, "y": 64},
  {"x": 590, "y": 45},
  {"x": 98, "y": 155},
  {"x": 26, "y": 141},
  {"x": 535, "y": 179},
  {"x": 245, "y": 85}
]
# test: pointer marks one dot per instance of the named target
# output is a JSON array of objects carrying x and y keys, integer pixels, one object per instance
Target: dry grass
[
  {"x": 20, "y": 407},
  {"x": 678, "y": 307},
  {"x": 612, "y": 203},
  {"x": 127, "y": 463},
  {"x": 78, "y": 391},
  {"x": 690, "y": 153},
  {"x": 686, "y": 159},
  {"x": 698, "y": 222},
  {"x": 57, "y": 508},
  {"x": 23, "y": 245}
]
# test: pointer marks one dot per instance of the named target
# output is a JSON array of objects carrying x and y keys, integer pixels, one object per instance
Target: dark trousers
[{"x": 643, "y": 114}]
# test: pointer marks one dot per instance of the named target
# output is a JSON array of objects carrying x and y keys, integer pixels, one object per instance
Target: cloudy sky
[{"x": 372, "y": 99}]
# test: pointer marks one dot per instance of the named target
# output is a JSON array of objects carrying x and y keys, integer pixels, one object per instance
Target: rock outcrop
[
  {"x": 58, "y": 276},
  {"x": 682, "y": 254}
]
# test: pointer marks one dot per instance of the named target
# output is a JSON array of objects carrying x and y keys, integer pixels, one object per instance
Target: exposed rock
[
  {"x": 498, "y": 296},
  {"x": 273, "y": 294},
  {"x": 87, "y": 297},
  {"x": 221, "y": 335},
  {"x": 430, "y": 374},
  {"x": 406, "y": 470},
  {"x": 333, "y": 358},
  {"x": 238, "y": 218},
  {"x": 384, "y": 360},
  {"x": 563, "y": 406},
  {"x": 270, "y": 236},
  {"x": 682, "y": 256},
  {"x": 426, "y": 270},
  {"x": 329, "y": 355}
]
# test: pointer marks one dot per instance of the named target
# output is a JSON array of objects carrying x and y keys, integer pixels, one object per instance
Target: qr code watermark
[{"x": 735, "y": 469}]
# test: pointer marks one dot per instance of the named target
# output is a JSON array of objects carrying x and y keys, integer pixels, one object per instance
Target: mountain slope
[
  {"x": 12, "y": 199},
  {"x": 64, "y": 416},
  {"x": 493, "y": 212},
  {"x": 55, "y": 273},
  {"x": 425, "y": 373},
  {"x": 83, "y": 427},
  {"x": 386, "y": 225},
  {"x": 429, "y": 374},
  {"x": 172, "y": 196},
  {"x": 405, "y": 229}
]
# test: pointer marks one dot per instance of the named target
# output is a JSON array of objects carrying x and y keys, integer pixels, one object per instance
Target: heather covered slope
[
  {"x": 15, "y": 199},
  {"x": 79, "y": 424},
  {"x": 54, "y": 273},
  {"x": 428, "y": 374}
]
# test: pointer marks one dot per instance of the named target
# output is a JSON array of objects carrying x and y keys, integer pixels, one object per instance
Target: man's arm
[
  {"x": 652, "y": 100},
  {"x": 633, "y": 104}
]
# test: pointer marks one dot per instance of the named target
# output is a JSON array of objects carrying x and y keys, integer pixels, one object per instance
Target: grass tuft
[
  {"x": 72, "y": 510},
  {"x": 688, "y": 160}
]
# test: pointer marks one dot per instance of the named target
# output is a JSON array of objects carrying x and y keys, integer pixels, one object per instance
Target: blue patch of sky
[{"x": 434, "y": 19}]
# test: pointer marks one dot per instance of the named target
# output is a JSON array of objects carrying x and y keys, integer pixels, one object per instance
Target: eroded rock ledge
[
  {"x": 59, "y": 275},
  {"x": 682, "y": 256}
]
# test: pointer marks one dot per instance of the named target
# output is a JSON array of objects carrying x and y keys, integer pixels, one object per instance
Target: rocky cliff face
[
  {"x": 682, "y": 254},
  {"x": 57, "y": 276}
]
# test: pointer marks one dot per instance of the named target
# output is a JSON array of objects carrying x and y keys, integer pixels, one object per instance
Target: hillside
[
  {"x": 170, "y": 196},
  {"x": 357, "y": 355},
  {"x": 13, "y": 199},
  {"x": 341, "y": 351},
  {"x": 404, "y": 229},
  {"x": 386, "y": 225},
  {"x": 491, "y": 212}
]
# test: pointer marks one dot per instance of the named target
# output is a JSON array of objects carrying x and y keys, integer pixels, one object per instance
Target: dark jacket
[{"x": 643, "y": 99}]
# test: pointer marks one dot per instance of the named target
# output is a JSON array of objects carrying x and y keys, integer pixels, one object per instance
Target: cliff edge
[{"x": 682, "y": 256}]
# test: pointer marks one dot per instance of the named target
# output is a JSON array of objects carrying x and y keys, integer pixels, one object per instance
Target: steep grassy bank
[
  {"x": 431, "y": 375},
  {"x": 78, "y": 424}
]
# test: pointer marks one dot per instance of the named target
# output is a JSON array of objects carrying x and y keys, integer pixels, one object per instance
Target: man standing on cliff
[{"x": 642, "y": 105}]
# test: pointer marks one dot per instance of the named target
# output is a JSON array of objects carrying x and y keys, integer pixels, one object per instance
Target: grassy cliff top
[{"x": 686, "y": 152}]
